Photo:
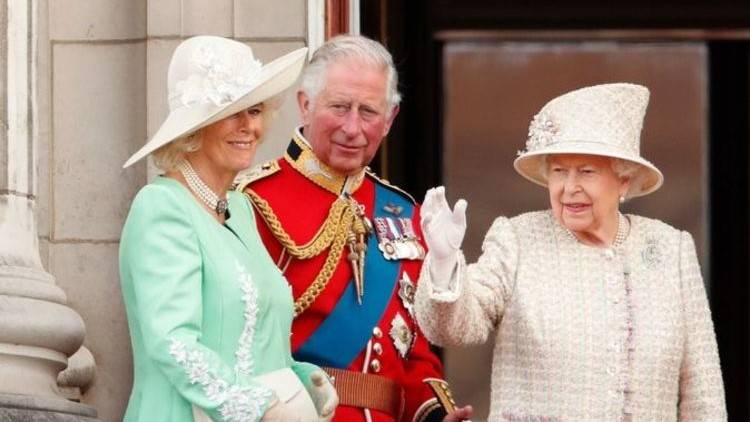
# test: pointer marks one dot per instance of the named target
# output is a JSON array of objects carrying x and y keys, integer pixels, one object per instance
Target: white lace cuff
[{"x": 234, "y": 402}]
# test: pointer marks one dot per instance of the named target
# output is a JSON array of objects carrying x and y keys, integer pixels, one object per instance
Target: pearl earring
[{"x": 622, "y": 198}]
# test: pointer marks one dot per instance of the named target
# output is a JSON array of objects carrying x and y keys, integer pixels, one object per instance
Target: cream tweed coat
[{"x": 583, "y": 333}]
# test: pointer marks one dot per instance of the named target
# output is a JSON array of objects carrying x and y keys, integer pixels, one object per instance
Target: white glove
[
  {"x": 323, "y": 395},
  {"x": 279, "y": 412},
  {"x": 443, "y": 231}
]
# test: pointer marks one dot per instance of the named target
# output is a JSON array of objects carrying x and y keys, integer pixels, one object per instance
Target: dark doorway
[{"x": 419, "y": 32}]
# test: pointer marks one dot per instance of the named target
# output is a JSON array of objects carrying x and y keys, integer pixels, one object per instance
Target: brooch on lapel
[
  {"x": 652, "y": 253},
  {"x": 393, "y": 209},
  {"x": 401, "y": 335}
]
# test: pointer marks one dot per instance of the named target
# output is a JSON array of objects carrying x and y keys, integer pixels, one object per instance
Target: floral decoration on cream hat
[
  {"x": 603, "y": 120},
  {"x": 211, "y": 78}
]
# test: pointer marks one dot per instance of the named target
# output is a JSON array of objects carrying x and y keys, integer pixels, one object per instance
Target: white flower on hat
[
  {"x": 221, "y": 80},
  {"x": 542, "y": 131},
  {"x": 211, "y": 78}
]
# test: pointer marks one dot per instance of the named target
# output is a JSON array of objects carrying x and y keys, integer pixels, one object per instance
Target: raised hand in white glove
[
  {"x": 278, "y": 411},
  {"x": 443, "y": 231},
  {"x": 323, "y": 395}
]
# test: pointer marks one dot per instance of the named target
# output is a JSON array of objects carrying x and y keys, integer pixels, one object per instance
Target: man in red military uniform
[{"x": 349, "y": 243}]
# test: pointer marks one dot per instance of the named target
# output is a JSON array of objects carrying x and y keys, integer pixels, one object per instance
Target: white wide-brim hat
[
  {"x": 604, "y": 120},
  {"x": 211, "y": 78}
]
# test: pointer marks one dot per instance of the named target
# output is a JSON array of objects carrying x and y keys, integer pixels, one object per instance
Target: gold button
[
  {"x": 378, "y": 348},
  {"x": 375, "y": 365},
  {"x": 377, "y": 332}
]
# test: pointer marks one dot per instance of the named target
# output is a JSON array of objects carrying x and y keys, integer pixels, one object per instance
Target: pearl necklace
[
  {"x": 623, "y": 230},
  {"x": 200, "y": 188}
]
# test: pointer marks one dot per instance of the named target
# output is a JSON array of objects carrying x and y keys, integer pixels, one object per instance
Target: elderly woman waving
[
  {"x": 599, "y": 315},
  {"x": 209, "y": 312}
]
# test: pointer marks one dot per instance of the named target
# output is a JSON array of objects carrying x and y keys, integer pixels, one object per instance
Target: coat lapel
[{"x": 239, "y": 222}]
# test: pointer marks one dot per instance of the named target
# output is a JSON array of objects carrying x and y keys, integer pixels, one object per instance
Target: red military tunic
[{"x": 300, "y": 190}]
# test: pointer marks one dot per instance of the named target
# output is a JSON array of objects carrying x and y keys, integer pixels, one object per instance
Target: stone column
[{"x": 38, "y": 332}]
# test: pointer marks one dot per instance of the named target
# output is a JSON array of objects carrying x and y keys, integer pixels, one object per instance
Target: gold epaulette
[
  {"x": 256, "y": 173},
  {"x": 388, "y": 185}
]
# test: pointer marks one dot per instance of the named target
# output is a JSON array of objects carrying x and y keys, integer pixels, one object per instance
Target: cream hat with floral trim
[
  {"x": 601, "y": 120},
  {"x": 211, "y": 78}
]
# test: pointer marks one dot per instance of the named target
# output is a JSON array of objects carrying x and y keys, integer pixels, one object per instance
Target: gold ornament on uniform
[
  {"x": 357, "y": 241},
  {"x": 403, "y": 338},
  {"x": 346, "y": 225},
  {"x": 442, "y": 392}
]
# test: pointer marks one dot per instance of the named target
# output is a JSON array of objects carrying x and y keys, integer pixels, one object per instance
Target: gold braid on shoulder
[{"x": 333, "y": 233}]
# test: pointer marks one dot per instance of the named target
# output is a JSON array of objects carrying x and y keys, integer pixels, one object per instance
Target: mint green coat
[{"x": 207, "y": 308}]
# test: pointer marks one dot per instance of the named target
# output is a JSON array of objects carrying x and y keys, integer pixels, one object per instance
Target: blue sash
[{"x": 345, "y": 332}]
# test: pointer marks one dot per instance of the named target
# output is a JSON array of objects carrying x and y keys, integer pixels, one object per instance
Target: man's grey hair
[
  {"x": 624, "y": 169},
  {"x": 344, "y": 47}
]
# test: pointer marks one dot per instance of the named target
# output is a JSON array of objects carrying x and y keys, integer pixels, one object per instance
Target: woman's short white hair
[
  {"x": 624, "y": 169},
  {"x": 169, "y": 157},
  {"x": 344, "y": 47}
]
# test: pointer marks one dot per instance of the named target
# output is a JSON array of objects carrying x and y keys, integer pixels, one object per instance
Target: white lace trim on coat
[
  {"x": 245, "y": 363},
  {"x": 236, "y": 404}
]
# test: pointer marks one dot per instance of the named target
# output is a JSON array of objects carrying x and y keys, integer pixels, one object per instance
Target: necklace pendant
[
  {"x": 201, "y": 190},
  {"x": 221, "y": 206}
]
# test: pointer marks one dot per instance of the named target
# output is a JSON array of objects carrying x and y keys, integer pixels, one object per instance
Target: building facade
[{"x": 84, "y": 86}]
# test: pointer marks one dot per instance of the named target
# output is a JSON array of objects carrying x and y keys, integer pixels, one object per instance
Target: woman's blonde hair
[{"x": 169, "y": 157}]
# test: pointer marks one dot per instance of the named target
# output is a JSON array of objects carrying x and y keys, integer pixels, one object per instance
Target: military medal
[
  {"x": 411, "y": 238},
  {"x": 406, "y": 293},
  {"x": 401, "y": 335},
  {"x": 385, "y": 238},
  {"x": 397, "y": 239},
  {"x": 408, "y": 237},
  {"x": 399, "y": 242}
]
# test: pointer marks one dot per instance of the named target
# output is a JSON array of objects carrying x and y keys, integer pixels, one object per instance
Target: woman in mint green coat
[{"x": 209, "y": 312}]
